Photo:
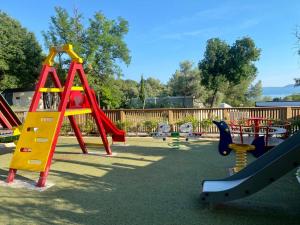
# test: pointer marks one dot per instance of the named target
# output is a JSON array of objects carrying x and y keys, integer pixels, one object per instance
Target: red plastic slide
[
  {"x": 79, "y": 100},
  {"x": 8, "y": 118},
  {"x": 110, "y": 128}
]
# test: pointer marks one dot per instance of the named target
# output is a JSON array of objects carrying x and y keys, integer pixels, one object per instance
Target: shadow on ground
[{"x": 145, "y": 185}]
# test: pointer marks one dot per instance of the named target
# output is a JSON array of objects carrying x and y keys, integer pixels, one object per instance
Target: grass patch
[{"x": 146, "y": 183}]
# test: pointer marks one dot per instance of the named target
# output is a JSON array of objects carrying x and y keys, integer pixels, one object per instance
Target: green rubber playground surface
[{"x": 147, "y": 182}]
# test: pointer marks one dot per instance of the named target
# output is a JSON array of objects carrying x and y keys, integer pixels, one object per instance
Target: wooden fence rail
[{"x": 135, "y": 118}]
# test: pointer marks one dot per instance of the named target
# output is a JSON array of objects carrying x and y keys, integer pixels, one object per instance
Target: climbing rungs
[
  {"x": 34, "y": 145},
  {"x": 71, "y": 112},
  {"x": 56, "y": 90}
]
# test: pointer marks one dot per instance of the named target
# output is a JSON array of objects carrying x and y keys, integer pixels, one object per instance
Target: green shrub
[
  {"x": 206, "y": 124},
  {"x": 295, "y": 124},
  {"x": 65, "y": 128},
  {"x": 88, "y": 127},
  {"x": 124, "y": 125},
  {"x": 150, "y": 125}
]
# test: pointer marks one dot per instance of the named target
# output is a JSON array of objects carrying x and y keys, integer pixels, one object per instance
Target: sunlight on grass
[{"x": 145, "y": 183}]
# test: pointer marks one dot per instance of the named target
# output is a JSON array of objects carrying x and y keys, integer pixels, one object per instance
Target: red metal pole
[
  {"x": 7, "y": 112},
  {"x": 34, "y": 104},
  {"x": 61, "y": 108},
  {"x": 72, "y": 120},
  {"x": 95, "y": 111},
  {"x": 78, "y": 134},
  {"x": 4, "y": 123},
  {"x": 37, "y": 94}
]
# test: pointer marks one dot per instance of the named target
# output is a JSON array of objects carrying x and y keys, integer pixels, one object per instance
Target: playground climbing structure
[{"x": 38, "y": 139}]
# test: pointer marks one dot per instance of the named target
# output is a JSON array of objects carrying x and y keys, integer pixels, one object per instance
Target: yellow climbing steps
[{"x": 33, "y": 148}]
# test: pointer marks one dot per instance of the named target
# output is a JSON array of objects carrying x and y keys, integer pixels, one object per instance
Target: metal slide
[{"x": 257, "y": 175}]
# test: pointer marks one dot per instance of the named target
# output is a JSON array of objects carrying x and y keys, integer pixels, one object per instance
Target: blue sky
[{"x": 163, "y": 33}]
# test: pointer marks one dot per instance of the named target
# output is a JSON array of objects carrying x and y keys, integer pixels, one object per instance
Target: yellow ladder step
[
  {"x": 71, "y": 112},
  {"x": 55, "y": 90},
  {"x": 34, "y": 145}
]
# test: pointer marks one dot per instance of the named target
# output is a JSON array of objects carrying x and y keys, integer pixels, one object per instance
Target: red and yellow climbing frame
[{"x": 39, "y": 135}]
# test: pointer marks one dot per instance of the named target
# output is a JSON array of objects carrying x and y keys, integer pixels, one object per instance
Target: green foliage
[
  {"x": 88, "y": 127},
  {"x": 240, "y": 95},
  {"x": 65, "y": 128},
  {"x": 124, "y": 125},
  {"x": 142, "y": 91},
  {"x": 150, "y": 125},
  {"x": 129, "y": 89},
  {"x": 206, "y": 124},
  {"x": 187, "y": 82},
  {"x": 293, "y": 97},
  {"x": 295, "y": 124},
  {"x": 20, "y": 54},
  {"x": 100, "y": 42},
  {"x": 154, "y": 87},
  {"x": 225, "y": 66}
]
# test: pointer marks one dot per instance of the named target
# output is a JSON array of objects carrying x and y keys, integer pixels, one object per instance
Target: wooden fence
[{"x": 135, "y": 118}]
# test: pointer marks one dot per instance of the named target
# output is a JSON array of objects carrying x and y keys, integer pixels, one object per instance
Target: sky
[{"x": 162, "y": 33}]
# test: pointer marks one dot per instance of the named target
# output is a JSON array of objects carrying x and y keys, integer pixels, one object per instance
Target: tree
[
  {"x": 187, "y": 82},
  {"x": 154, "y": 87},
  {"x": 129, "y": 90},
  {"x": 142, "y": 92},
  {"x": 255, "y": 91},
  {"x": 225, "y": 66},
  {"x": 64, "y": 29},
  {"x": 101, "y": 44},
  {"x": 20, "y": 54}
]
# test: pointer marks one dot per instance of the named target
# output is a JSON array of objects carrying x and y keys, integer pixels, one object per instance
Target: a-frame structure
[{"x": 38, "y": 139}]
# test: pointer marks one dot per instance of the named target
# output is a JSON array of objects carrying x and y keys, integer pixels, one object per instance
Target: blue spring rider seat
[{"x": 226, "y": 145}]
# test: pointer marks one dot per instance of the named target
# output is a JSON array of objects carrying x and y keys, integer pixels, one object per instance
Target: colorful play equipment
[
  {"x": 40, "y": 131},
  {"x": 265, "y": 170},
  {"x": 257, "y": 148},
  {"x": 163, "y": 131},
  {"x": 245, "y": 129},
  {"x": 185, "y": 130},
  {"x": 10, "y": 123}
]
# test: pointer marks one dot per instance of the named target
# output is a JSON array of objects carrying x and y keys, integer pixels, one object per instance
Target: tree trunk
[{"x": 214, "y": 98}]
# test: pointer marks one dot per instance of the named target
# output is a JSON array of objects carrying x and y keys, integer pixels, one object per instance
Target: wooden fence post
[
  {"x": 171, "y": 118},
  {"x": 288, "y": 114},
  {"x": 226, "y": 115},
  {"x": 122, "y": 116}
]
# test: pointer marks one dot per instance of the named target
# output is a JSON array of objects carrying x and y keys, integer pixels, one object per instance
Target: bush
[
  {"x": 65, "y": 128},
  {"x": 88, "y": 127},
  {"x": 124, "y": 125},
  {"x": 206, "y": 124},
  {"x": 295, "y": 124},
  {"x": 150, "y": 125}
]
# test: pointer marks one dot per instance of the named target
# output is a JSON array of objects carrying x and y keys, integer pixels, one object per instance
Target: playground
[
  {"x": 144, "y": 180},
  {"x": 145, "y": 183}
]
